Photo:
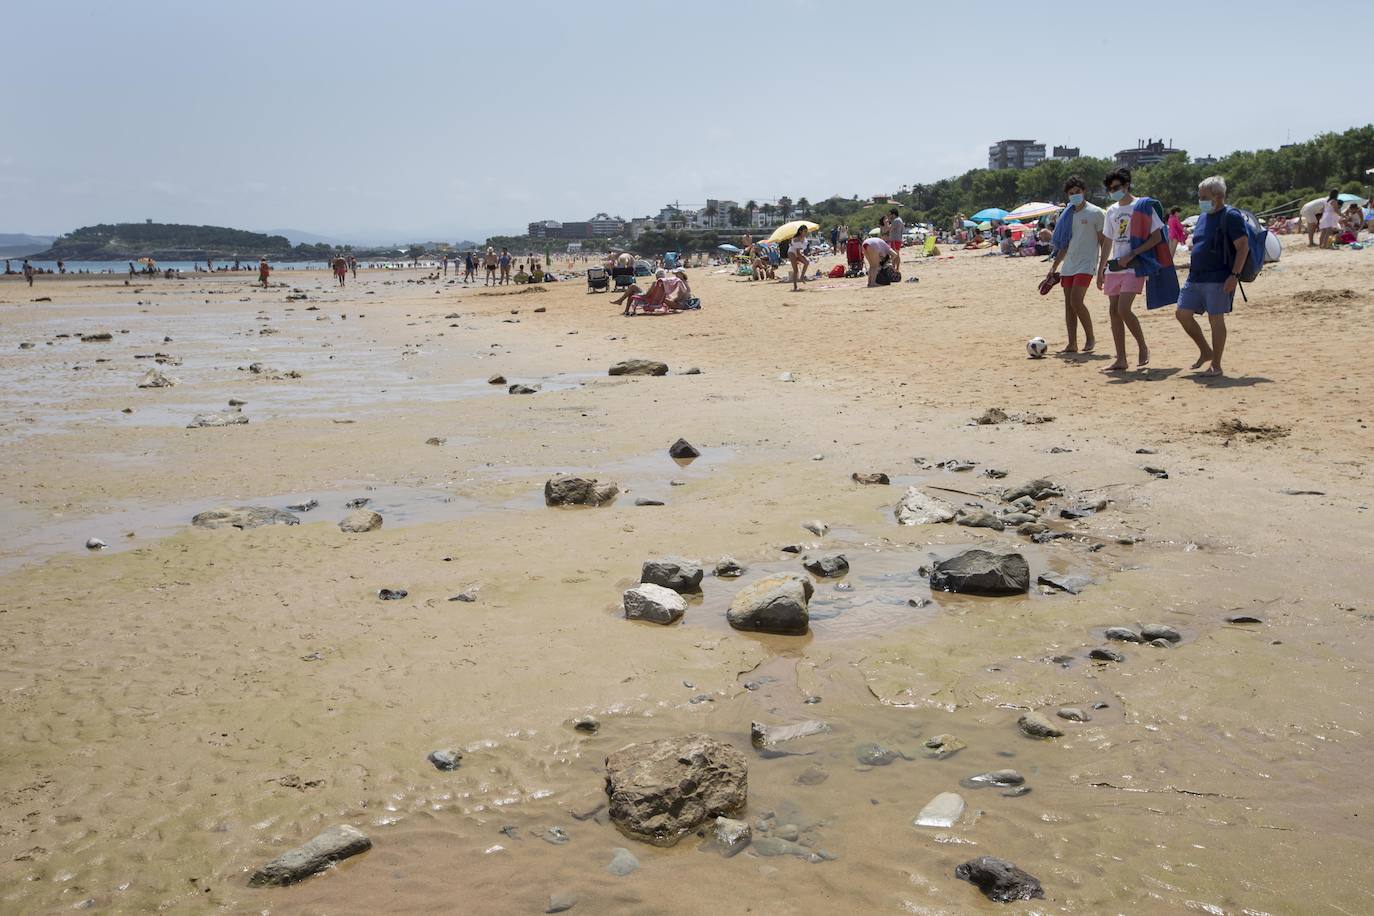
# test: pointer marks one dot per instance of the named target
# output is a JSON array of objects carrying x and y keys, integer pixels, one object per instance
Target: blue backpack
[{"x": 1258, "y": 236}]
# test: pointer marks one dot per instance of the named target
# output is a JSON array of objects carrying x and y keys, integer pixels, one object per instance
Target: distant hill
[
  {"x": 22, "y": 245},
  {"x": 169, "y": 242},
  {"x": 301, "y": 237}
]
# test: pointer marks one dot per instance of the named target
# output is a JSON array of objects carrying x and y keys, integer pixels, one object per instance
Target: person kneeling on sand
[{"x": 1220, "y": 248}]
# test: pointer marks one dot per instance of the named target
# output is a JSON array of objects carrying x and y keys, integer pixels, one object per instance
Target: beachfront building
[
  {"x": 1015, "y": 154},
  {"x": 599, "y": 226},
  {"x": 605, "y": 226},
  {"x": 545, "y": 229},
  {"x": 1066, "y": 152},
  {"x": 1146, "y": 152}
]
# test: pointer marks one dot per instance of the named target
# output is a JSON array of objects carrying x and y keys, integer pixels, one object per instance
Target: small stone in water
[
  {"x": 1160, "y": 631},
  {"x": 391, "y": 594},
  {"x": 555, "y": 835},
  {"x": 1016, "y": 792},
  {"x": 1074, "y": 714},
  {"x": 1122, "y": 634},
  {"x": 944, "y": 810},
  {"x": 586, "y": 724},
  {"x": 445, "y": 759},
  {"x": 561, "y": 902},
  {"x": 994, "y": 778},
  {"x": 623, "y": 862},
  {"x": 95, "y": 544},
  {"x": 942, "y": 746},
  {"x": 1103, "y": 654},
  {"x": 875, "y": 755},
  {"x": 1243, "y": 618}
]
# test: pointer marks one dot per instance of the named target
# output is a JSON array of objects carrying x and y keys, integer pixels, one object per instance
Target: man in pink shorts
[{"x": 1118, "y": 280}]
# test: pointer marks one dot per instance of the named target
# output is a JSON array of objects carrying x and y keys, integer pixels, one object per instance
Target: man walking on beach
[
  {"x": 28, "y": 272},
  {"x": 1081, "y": 248},
  {"x": 1220, "y": 249},
  {"x": 895, "y": 229},
  {"x": 263, "y": 271}
]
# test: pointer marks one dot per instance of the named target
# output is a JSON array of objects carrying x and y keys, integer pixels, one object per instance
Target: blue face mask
[
  {"x": 1116, "y": 195},
  {"x": 1205, "y": 206},
  {"x": 1075, "y": 199}
]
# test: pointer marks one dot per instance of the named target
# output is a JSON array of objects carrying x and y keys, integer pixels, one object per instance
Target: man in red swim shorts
[{"x": 1081, "y": 258}]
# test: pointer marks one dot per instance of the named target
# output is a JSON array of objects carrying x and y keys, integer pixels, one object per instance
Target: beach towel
[
  {"x": 1157, "y": 264},
  {"x": 1063, "y": 230}
]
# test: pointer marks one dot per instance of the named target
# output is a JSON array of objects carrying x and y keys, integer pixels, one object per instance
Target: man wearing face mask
[
  {"x": 1082, "y": 250},
  {"x": 1220, "y": 247},
  {"x": 1120, "y": 283}
]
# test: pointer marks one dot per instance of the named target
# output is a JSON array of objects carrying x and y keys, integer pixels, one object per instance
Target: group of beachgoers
[{"x": 669, "y": 291}]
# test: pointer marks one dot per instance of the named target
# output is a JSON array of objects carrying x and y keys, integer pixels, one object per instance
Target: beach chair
[
  {"x": 671, "y": 259},
  {"x": 598, "y": 279},
  {"x": 928, "y": 250},
  {"x": 623, "y": 275}
]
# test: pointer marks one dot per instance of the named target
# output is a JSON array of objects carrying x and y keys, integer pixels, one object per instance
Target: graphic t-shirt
[
  {"x": 1081, "y": 256},
  {"x": 1118, "y": 229}
]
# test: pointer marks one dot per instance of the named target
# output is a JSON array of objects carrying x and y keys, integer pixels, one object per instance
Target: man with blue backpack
[{"x": 1225, "y": 253}]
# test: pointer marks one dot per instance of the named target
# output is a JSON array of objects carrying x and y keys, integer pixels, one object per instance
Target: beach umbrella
[
  {"x": 730, "y": 248},
  {"x": 970, "y": 224},
  {"x": 787, "y": 230},
  {"x": 990, "y": 213},
  {"x": 985, "y": 224},
  {"x": 1368, "y": 215},
  {"x": 1034, "y": 210},
  {"x": 1354, "y": 199},
  {"x": 875, "y": 231}
]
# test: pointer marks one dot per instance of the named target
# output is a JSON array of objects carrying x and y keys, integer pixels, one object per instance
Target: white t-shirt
[
  {"x": 1081, "y": 256},
  {"x": 878, "y": 245},
  {"x": 1117, "y": 229}
]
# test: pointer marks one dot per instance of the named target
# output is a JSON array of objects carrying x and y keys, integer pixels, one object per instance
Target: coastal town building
[
  {"x": 599, "y": 226},
  {"x": 1015, "y": 154},
  {"x": 1066, "y": 152},
  {"x": 1145, "y": 152}
]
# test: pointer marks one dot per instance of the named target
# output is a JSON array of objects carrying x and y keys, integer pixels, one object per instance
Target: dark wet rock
[
  {"x": 588, "y": 725},
  {"x": 676, "y": 573},
  {"x": 729, "y": 568},
  {"x": 154, "y": 378},
  {"x": 391, "y": 594},
  {"x": 999, "y": 880},
  {"x": 1073, "y": 714},
  {"x": 812, "y": 776},
  {"x": 210, "y": 420},
  {"x": 817, "y": 527},
  {"x": 556, "y": 836},
  {"x": 1122, "y": 634},
  {"x": 95, "y": 544},
  {"x": 1036, "y": 489},
  {"x": 731, "y": 835},
  {"x": 777, "y": 604},
  {"x": 567, "y": 490},
  {"x": 683, "y": 450},
  {"x": 436, "y": 440},
  {"x": 875, "y": 755},
  {"x": 1155, "y": 472},
  {"x": 767, "y": 737},
  {"x": 243, "y": 517},
  {"x": 360, "y": 521},
  {"x": 1243, "y": 618},
  {"x": 981, "y": 572},
  {"x": 661, "y": 790},
  {"x": 98, "y": 337},
  {"x": 497, "y": 380},
  {"x": 1023, "y": 504},
  {"x": 827, "y": 567},
  {"x": 639, "y": 367},
  {"x": 1103, "y": 654},
  {"x": 1145, "y": 451},
  {"x": 306, "y": 506},
  {"x": 519, "y": 388},
  {"x": 561, "y": 902},
  {"x": 26, "y": 345},
  {"x": 1072, "y": 513},
  {"x": 941, "y": 746},
  {"x": 955, "y": 465},
  {"x": 1161, "y": 643},
  {"x": 648, "y": 502},
  {"x": 918, "y": 602},
  {"x": 998, "y": 778},
  {"x": 654, "y": 603},
  {"x": 334, "y": 845},
  {"x": 1153, "y": 631},
  {"x": 445, "y": 759},
  {"x": 1034, "y": 725},
  {"x": 623, "y": 862},
  {"x": 357, "y": 502},
  {"x": 792, "y": 548},
  {"x": 994, "y": 473},
  {"x": 1071, "y": 584},
  {"x": 1012, "y": 519},
  {"x": 979, "y": 518},
  {"x": 875, "y": 477},
  {"x": 944, "y": 810},
  {"x": 1031, "y": 529}
]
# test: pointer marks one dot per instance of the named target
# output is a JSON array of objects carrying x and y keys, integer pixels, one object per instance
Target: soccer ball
[{"x": 1037, "y": 347}]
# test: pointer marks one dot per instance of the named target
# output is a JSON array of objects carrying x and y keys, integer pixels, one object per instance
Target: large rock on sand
[
  {"x": 154, "y": 378},
  {"x": 981, "y": 572},
  {"x": 916, "y": 508},
  {"x": 774, "y": 605},
  {"x": 661, "y": 790},
  {"x": 654, "y": 603},
  {"x": 359, "y": 521},
  {"x": 679, "y": 574},
  {"x": 639, "y": 367},
  {"x": 243, "y": 517},
  {"x": 224, "y": 418},
  {"x": 334, "y": 845},
  {"x": 567, "y": 490}
]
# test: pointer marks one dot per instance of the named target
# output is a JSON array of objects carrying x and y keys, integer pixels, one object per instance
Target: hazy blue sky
[{"x": 441, "y": 120}]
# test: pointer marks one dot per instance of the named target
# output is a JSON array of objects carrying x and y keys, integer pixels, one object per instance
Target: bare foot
[
  {"x": 1071, "y": 348},
  {"x": 1213, "y": 372},
  {"x": 1117, "y": 366},
  {"x": 1089, "y": 346},
  {"x": 1204, "y": 358},
  {"x": 1144, "y": 358}
]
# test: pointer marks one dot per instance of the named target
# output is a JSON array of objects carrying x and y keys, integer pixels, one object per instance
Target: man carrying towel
[
  {"x": 1081, "y": 248},
  {"x": 1220, "y": 249}
]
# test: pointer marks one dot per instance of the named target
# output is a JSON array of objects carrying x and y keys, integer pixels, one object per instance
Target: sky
[{"x": 378, "y": 123}]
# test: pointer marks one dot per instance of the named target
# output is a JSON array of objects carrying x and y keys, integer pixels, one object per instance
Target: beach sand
[{"x": 181, "y": 707}]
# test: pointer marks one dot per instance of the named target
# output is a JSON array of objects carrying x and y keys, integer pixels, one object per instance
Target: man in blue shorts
[{"x": 1220, "y": 247}]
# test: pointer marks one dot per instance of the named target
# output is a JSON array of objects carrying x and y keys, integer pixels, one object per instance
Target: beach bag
[
  {"x": 1258, "y": 236},
  {"x": 888, "y": 275},
  {"x": 837, "y": 271}
]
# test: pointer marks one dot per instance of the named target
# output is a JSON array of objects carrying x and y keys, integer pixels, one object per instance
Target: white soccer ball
[{"x": 1037, "y": 348}]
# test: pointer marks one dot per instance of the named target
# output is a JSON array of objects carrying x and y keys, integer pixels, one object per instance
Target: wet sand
[{"x": 185, "y": 705}]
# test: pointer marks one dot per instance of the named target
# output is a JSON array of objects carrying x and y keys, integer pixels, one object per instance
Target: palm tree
[
  {"x": 785, "y": 206},
  {"x": 750, "y": 208},
  {"x": 803, "y": 205}
]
